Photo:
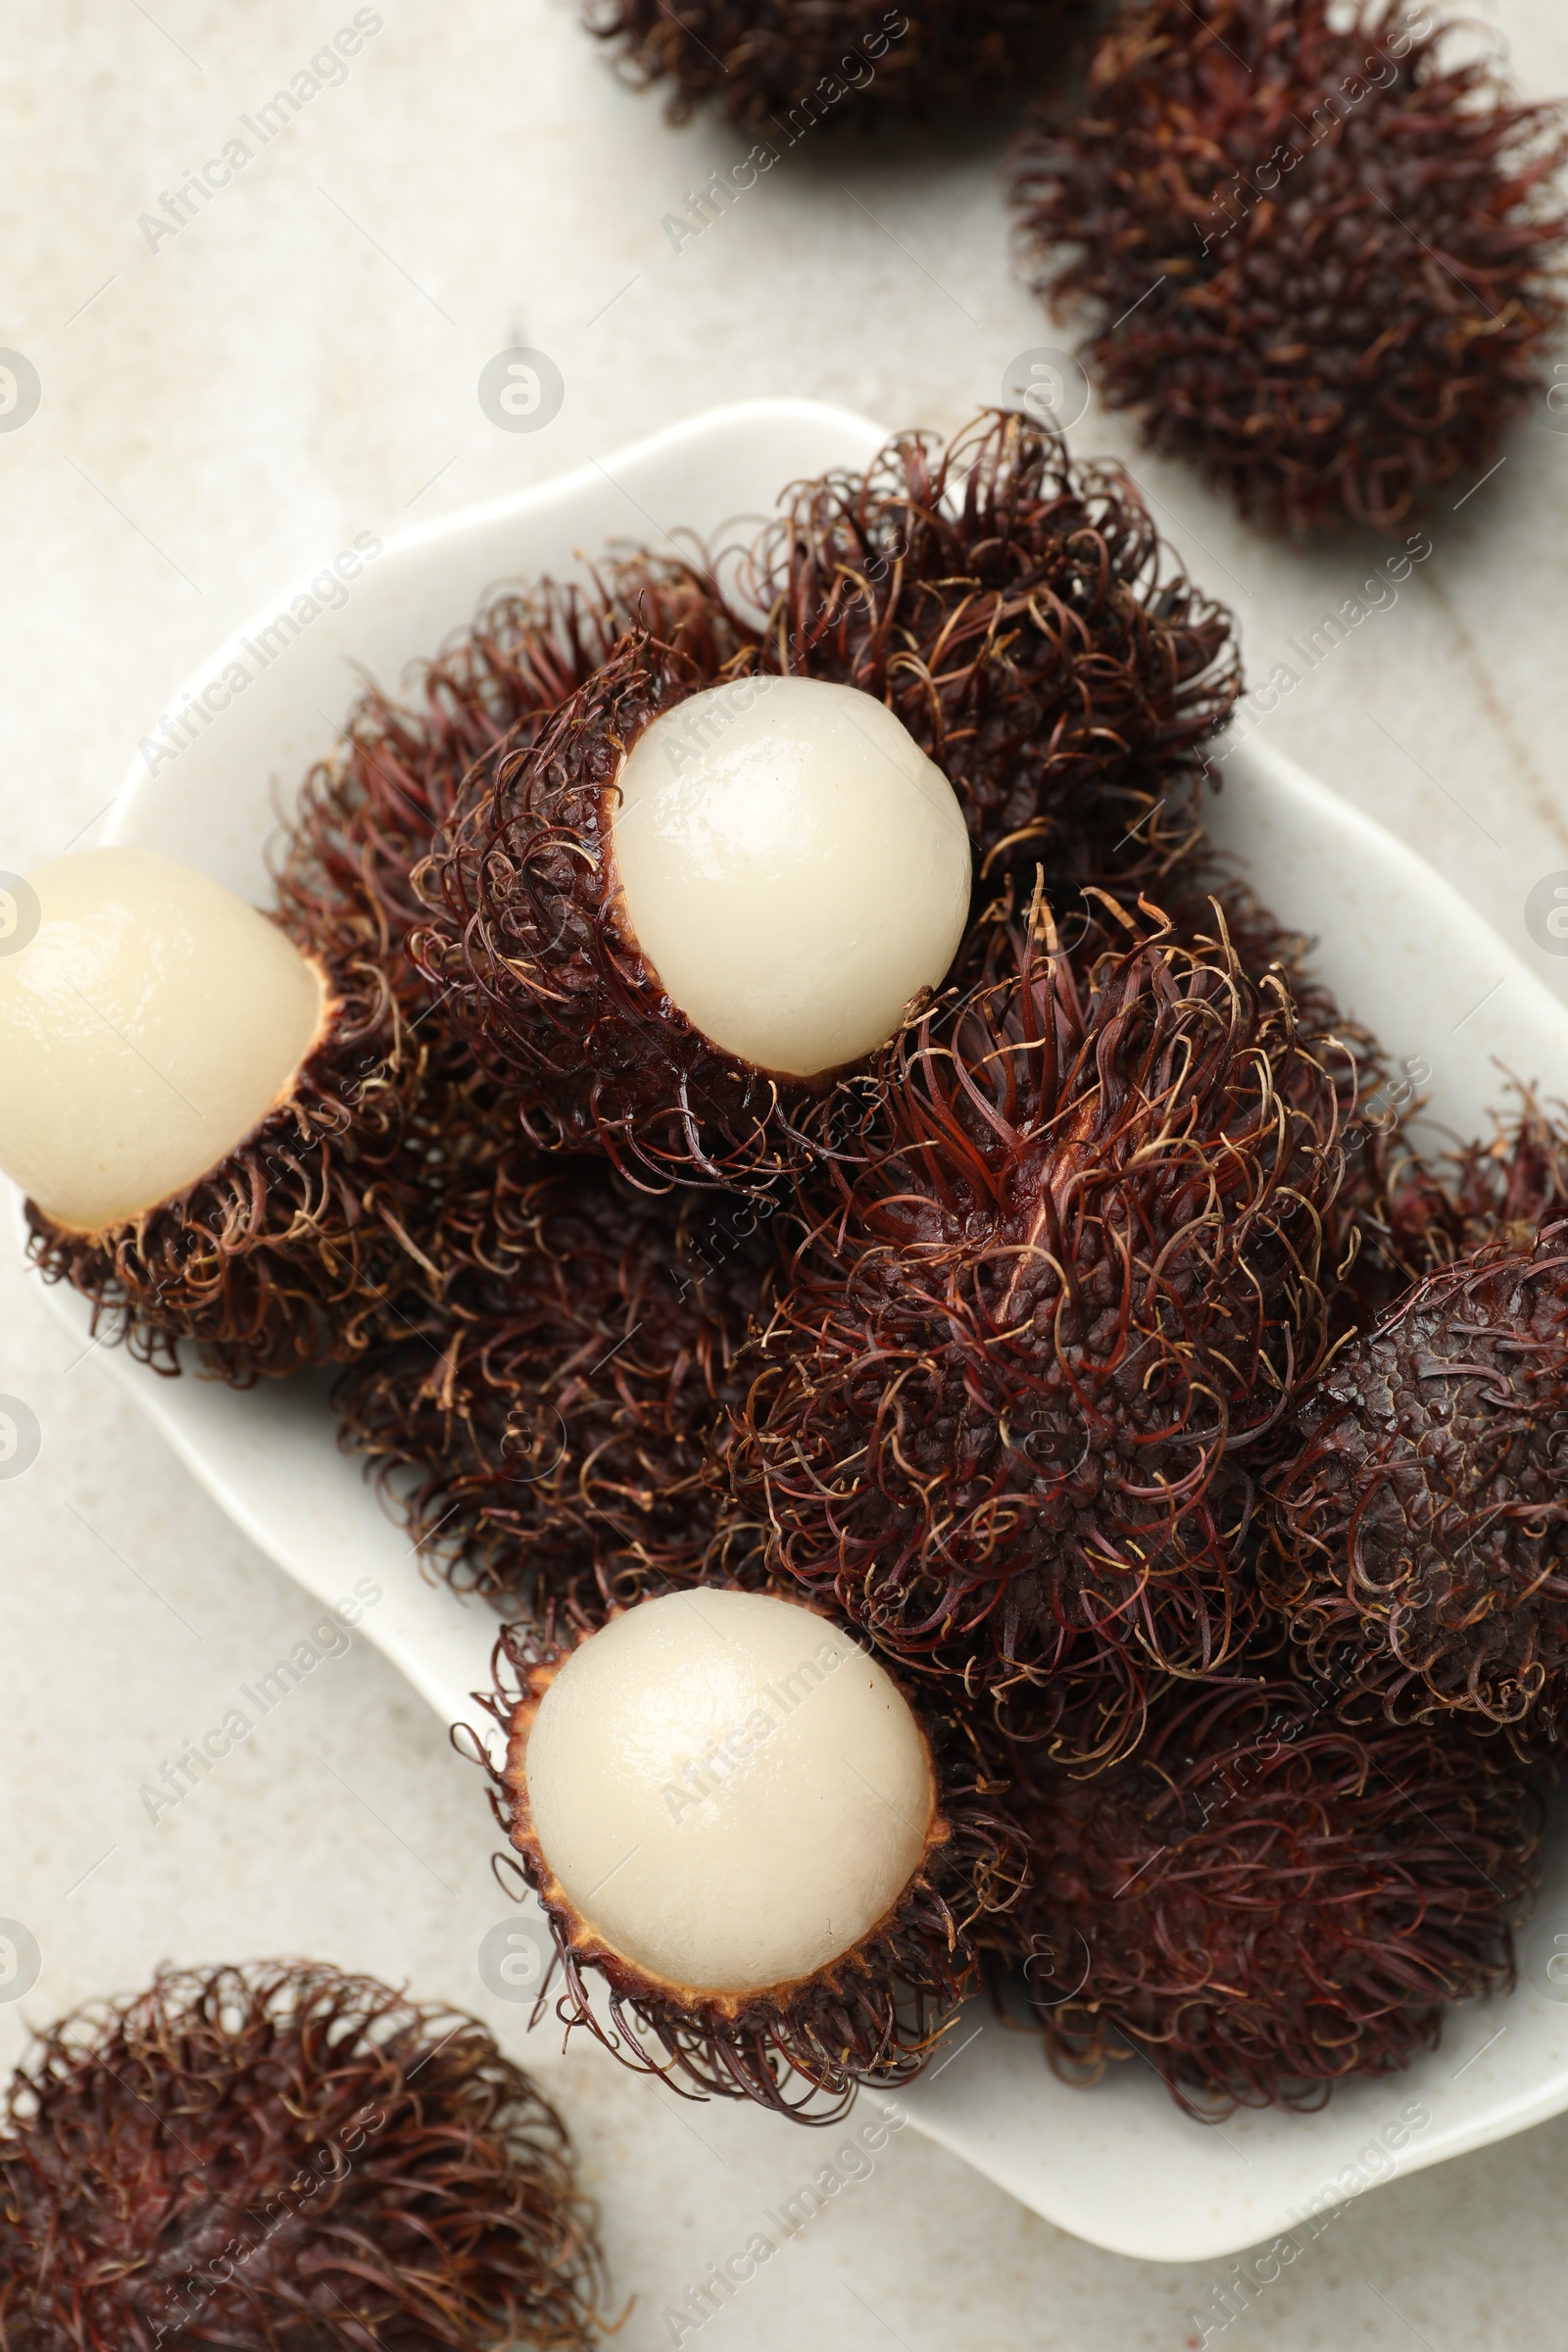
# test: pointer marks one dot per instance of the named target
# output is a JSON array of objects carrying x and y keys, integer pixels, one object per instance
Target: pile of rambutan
[{"x": 852, "y": 1229}]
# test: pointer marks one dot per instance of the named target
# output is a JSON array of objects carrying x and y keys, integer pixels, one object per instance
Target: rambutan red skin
[
  {"x": 557, "y": 1396},
  {"x": 1264, "y": 1901},
  {"x": 1007, "y": 1409},
  {"x": 283, "y": 2159},
  {"x": 528, "y": 935},
  {"x": 1020, "y": 613},
  {"x": 1420, "y": 1531},
  {"x": 1324, "y": 259},
  {"x": 786, "y": 66}
]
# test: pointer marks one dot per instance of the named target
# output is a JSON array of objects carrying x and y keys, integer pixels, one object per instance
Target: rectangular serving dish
[{"x": 1117, "y": 2164}]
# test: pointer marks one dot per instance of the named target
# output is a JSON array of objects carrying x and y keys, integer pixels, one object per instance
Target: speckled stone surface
[{"x": 226, "y": 411}]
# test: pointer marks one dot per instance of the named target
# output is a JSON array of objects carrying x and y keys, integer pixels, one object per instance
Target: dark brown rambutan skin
[
  {"x": 785, "y": 65},
  {"x": 369, "y": 814},
  {"x": 1421, "y": 1214},
  {"x": 1418, "y": 1531},
  {"x": 1007, "y": 1408},
  {"x": 549, "y": 1420},
  {"x": 803, "y": 2049},
  {"x": 527, "y": 937},
  {"x": 1020, "y": 613},
  {"x": 1324, "y": 256},
  {"x": 1264, "y": 1900},
  {"x": 279, "y": 2158},
  {"x": 274, "y": 1259}
]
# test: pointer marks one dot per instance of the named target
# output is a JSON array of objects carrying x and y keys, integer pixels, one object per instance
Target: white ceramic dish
[{"x": 1119, "y": 2165}]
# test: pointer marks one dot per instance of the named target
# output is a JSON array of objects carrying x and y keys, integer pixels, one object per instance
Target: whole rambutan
[
  {"x": 1008, "y": 1411},
  {"x": 737, "y": 1821},
  {"x": 1020, "y": 614},
  {"x": 279, "y": 2158},
  {"x": 1264, "y": 1901},
  {"x": 549, "y": 1422},
  {"x": 1418, "y": 1526},
  {"x": 1322, "y": 248},
  {"x": 790, "y": 64}
]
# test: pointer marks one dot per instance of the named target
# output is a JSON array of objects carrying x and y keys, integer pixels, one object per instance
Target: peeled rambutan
[
  {"x": 735, "y": 1818},
  {"x": 196, "y": 1110},
  {"x": 550, "y": 1421},
  {"x": 1322, "y": 250},
  {"x": 669, "y": 918},
  {"x": 1418, "y": 1546},
  {"x": 1008, "y": 1405},
  {"x": 1265, "y": 1901},
  {"x": 1020, "y": 615},
  {"x": 280, "y": 2158},
  {"x": 793, "y": 64}
]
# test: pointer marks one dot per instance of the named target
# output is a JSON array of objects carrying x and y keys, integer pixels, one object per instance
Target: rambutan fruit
[
  {"x": 793, "y": 64},
  {"x": 196, "y": 1110},
  {"x": 370, "y": 814},
  {"x": 1010, "y": 1402},
  {"x": 1265, "y": 1901},
  {"x": 733, "y": 1815},
  {"x": 1019, "y": 612},
  {"x": 668, "y": 920},
  {"x": 1418, "y": 1545},
  {"x": 280, "y": 2158},
  {"x": 550, "y": 1425},
  {"x": 1322, "y": 249}
]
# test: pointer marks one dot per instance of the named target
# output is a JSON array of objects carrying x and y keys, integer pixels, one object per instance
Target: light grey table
[{"x": 224, "y": 409}]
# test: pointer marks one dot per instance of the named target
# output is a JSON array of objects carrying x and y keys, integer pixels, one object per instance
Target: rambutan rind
[
  {"x": 1017, "y": 610},
  {"x": 1418, "y": 1538},
  {"x": 549, "y": 1423},
  {"x": 1324, "y": 259},
  {"x": 280, "y": 2158},
  {"x": 870, "y": 2018},
  {"x": 1008, "y": 1408},
  {"x": 529, "y": 937},
  {"x": 795, "y": 64},
  {"x": 370, "y": 814},
  {"x": 1264, "y": 1901}
]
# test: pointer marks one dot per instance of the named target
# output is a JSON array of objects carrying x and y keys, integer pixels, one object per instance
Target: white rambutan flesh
[
  {"x": 146, "y": 1028},
  {"x": 792, "y": 866},
  {"x": 729, "y": 1792}
]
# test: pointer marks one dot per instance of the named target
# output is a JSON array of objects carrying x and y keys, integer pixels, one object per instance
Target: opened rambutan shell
[
  {"x": 368, "y": 815},
  {"x": 1007, "y": 1411},
  {"x": 530, "y": 937},
  {"x": 1020, "y": 615},
  {"x": 549, "y": 1419},
  {"x": 1265, "y": 1901},
  {"x": 802, "y": 2048},
  {"x": 1324, "y": 254},
  {"x": 279, "y": 2158},
  {"x": 274, "y": 1259},
  {"x": 1418, "y": 1531},
  {"x": 786, "y": 66}
]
